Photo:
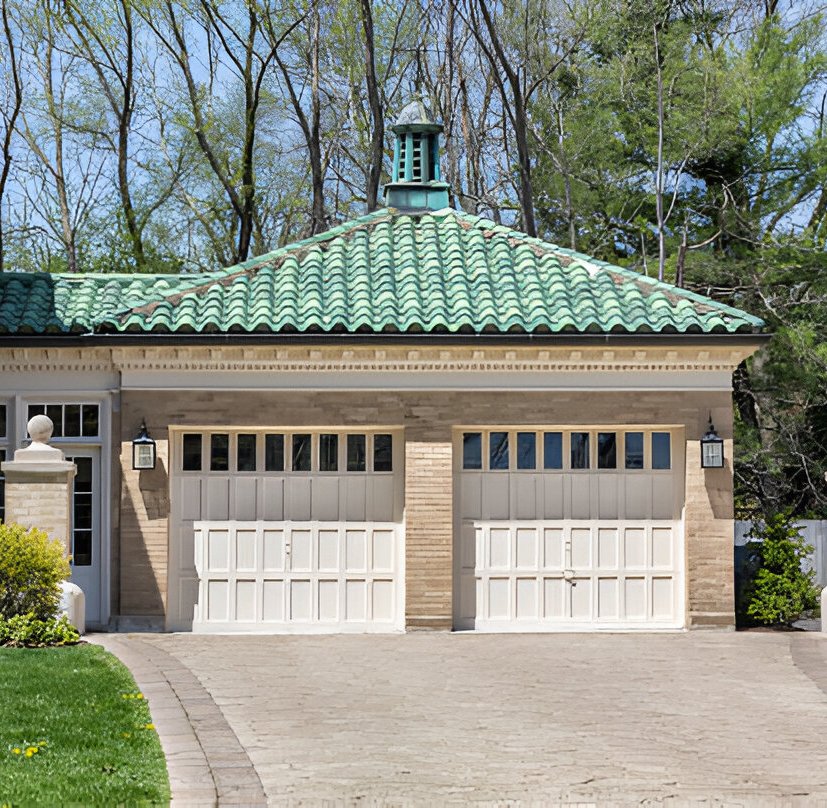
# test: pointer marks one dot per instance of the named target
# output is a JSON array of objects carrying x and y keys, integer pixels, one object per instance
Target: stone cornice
[{"x": 334, "y": 359}]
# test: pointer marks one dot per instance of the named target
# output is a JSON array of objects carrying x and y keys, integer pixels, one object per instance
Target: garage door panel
[
  {"x": 634, "y": 544},
  {"x": 581, "y": 547},
  {"x": 273, "y": 549},
  {"x": 355, "y": 498},
  {"x": 527, "y": 548},
  {"x": 525, "y": 491},
  {"x": 554, "y": 548},
  {"x": 553, "y": 496},
  {"x": 607, "y": 541},
  {"x": 301, "y": 605},
  {"x": 324, "y": 497},
  {"x": 190, "y": 498},
  {"x": 381, "y": 503},
  {"x": 245, "y": 601},
  {"x": 356, "y": 600},
  {"x": 382, "y": 559},
  {"x": 663, "y": 494},
  {"x": 499, "y": 548},
  {"x": 608, "y": 607},
  {"x": 244, "y": 498},
  {"x": 272, "y": 601},
  {"x": 580, "y": 593},
  {"x": 272, "y": 499},
  {"x": 298, "y": 498},
  {"x": 217, "y": 498},
  {"x": 328, "y": 600},
  {"x": 245, "y": 550},
  {"x": 581, "y": 496},
  {"x": 662, "y": 539},
  {"x": 218, "y": 550},
  {"x": 471, "y": 494},
  {"x": 356, "y": 551},
  {"x": 607, "y": 496},
  {"x": 634, "y": 598},
  {"x": 554, "y": 591},
  {"x": 218, "y": 601},
  {"x": 662, "y": 598},
  {"x": 498, "y": 599},
  {"x": 382, "y": 600},
  {"x": 495, "y": 496},
  {"x": 637, "y": 489},
  {"x": 526, "y": 594},
  {"x": 328, "y": 550},
  {"x": 300, "y": 550}
]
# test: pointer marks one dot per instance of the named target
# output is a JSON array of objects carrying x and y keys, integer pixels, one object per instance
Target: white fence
[{"x": 814, "y": 533}]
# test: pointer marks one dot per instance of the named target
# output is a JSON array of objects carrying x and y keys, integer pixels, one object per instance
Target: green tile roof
[{"x": 386, "y": 272}]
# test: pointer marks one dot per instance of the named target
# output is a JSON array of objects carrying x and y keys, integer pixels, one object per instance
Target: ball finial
[{"x": 40, "y": 428}]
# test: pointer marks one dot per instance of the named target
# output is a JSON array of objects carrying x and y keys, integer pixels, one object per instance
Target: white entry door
[
  {"x": 576, "y": 529},
  {"x": 85, "y": 547}
]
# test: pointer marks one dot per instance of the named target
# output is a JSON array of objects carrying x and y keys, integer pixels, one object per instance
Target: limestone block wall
[
  {"x": 40, "y": 500},
  {"x": 429, "y": 420}
]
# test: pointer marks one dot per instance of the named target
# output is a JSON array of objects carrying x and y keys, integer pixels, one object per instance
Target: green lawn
[{"x": 74, "y": 730}]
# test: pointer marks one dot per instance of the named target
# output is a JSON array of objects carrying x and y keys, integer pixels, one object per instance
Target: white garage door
[
  {"x": 286, "y": 532},
  {"x": 569, "y": 529}
]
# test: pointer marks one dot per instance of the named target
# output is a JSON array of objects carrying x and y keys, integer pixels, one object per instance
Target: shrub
[
  {"x": 32, "y": 567},
  {"x": 25, "y": 630},
  {"x": 780, "y": 590}
]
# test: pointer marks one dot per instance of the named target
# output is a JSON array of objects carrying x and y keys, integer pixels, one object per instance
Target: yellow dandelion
[
  {"x": 16, "y": 750},
  {"x": 139, "y": 696},
  {"x": 149, "y": 726},
  {"x": 32, "y": 749},
  {"x": 126, "y": 734},
  {"x": 29, "y": 753}
]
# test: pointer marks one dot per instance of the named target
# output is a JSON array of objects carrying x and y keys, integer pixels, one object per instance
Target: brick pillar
[
  {"x": 39, "y": 485},
  {"x": 429, "y": 528},
  {"x": 710, "y": 553}
]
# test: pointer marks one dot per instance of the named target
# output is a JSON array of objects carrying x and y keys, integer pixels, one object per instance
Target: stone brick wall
[
  {"x": 40, "y": 500},
  {"x": 429, "y": 419}
]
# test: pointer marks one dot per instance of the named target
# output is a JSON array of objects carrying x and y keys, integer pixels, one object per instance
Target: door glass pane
[
  {"x": 71, "y": 419},
  {"x": 606, "y": 450},
  {"x": 661, "y": 450},
  {"x": 219, "y": 452},
  {"x": 301, "y": 452},
  {"x": 472, "y": 450},
  {"x": 89, "y": 416},
  {"x": 246, "y": 453},
  {"x": 191, "y": 460},
  {"x": 2, "y": 420},
  {"x": 526, "y": 450},
  {"x": 498, "y": 450},
  {"x": 634, "y": 450},
  {"x": 382, "y": 453},
  {"x": 552, "y": 450},
  {"x": 355, "y": 452},
  {"x": 55, "y": 412},
  {"x": 82, "y": 500},
  {"x": 579, "y": 450},
  {"x": 35, "y": 409},
  {"x": 274, "y": 452},
  {"x": 328, "y": 452}
]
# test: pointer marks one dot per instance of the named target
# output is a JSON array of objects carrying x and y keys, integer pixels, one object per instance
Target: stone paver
[
  {"x": 207, "y": 765},
  {"x": 441, "y": 719}
]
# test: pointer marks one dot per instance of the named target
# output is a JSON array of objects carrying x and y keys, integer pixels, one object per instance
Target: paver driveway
[{"x": 443, "y": 718}]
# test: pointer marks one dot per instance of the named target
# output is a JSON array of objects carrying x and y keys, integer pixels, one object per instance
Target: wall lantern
[
  {"x": 712, "y": 449},
  {"x": 143, "y": 450}
]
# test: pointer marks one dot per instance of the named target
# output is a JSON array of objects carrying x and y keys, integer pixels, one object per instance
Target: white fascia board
[
  {"x": 69, "y": 384},
  {"x": 602, "y": 380}
]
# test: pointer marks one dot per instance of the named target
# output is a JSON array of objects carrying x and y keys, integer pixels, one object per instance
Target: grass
[{"x": 81, "y": 730}]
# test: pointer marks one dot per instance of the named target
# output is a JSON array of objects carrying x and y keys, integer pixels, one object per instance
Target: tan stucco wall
[{"x": 428, "y": 419}]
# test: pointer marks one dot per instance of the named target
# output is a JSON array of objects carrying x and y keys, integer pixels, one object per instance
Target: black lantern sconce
[
  {"x": 712, "y": 449},
  {"x": 143, "y": 450}
]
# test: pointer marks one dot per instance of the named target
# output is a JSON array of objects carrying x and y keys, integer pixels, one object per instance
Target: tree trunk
[
  {"x": 377, "y": 137},
  {"x": 10, "y": 117}
]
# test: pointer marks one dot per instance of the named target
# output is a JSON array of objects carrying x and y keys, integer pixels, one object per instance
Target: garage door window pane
[
  {"x": 192, "y": 453},
  {"x": 498, "y": 451},
  {"x": 661, "y": 451},
  {"x": 634, "y": 450},
  {"x": 579, "y": 450},
  {"x": 472, "y": 450},
  {"x": 301, "y": 452},
  {"x": 274, "y": 452},
  {"x": 553, "y": 450},
  {"x": 219, "y": 452},
  {"x": 355, "y": 452},
  {"x": 383, "y": 453},
  {"x": 328, "y": 452},
  {"x": 526, "y": 450},
  {"x": 606, "y": 450},
  {"x": 246, "y": 453}
]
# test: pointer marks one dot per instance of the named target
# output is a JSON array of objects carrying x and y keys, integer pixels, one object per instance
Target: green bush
[
  {"x": 780, "y": 591},
  {"x": 32, "y": 567},
  {"x": 26, "y": 631}
]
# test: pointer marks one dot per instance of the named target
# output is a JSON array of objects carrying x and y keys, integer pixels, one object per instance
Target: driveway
[{"x": 452, "y": 719}]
